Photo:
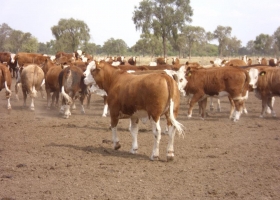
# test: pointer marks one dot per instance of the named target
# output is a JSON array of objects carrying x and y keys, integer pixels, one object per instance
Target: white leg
[
  {"x": 32, "y": 107},
  {"x": 157, "y": 136},
  {"x": 218, "y": 105},
  {"x": 211, "y": 104},
  {"x": 170, "y": 146},
  {"x": 237, "y": 116},
  {"x": 9, "y": 103},
  {"x": 83, "y": 109},
  {"x": 62, "y": 108},
  {"x": 67, "y": 112},
  {"x": 116, "y": 141},
  {"x": 73, "y": 106},
  {"x": 105, "y": 110},
  {"x": 134, "y": 134}
]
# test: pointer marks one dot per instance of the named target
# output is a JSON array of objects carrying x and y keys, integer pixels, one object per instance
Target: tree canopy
[{"x": 163, "y": 18}]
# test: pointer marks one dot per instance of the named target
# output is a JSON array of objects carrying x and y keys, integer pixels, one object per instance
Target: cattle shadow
[{"x": 104, "y": 151}]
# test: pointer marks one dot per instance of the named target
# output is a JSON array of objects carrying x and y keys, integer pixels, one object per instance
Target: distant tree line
[{"x": 164, "y": 29}]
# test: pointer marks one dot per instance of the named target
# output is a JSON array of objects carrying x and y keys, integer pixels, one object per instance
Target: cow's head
[
  {"x": 182, "y": 81},
  {"x": 87, "y": 74},
  {"x": 254, "y": 75}
]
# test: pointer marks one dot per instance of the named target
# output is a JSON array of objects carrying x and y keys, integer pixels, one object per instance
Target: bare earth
[{"x": 43, "y": 156}]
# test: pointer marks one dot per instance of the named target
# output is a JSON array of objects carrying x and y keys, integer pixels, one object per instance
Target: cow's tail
[
  {"x": 179, "y": 127},
  {"x": 64, "y": 94},
  {"x": 33, "y": 91}
]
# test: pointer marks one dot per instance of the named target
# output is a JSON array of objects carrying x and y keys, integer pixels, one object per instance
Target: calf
[
  {"x": 134, "y": 96},
  {"x": 6, "y": 82}
]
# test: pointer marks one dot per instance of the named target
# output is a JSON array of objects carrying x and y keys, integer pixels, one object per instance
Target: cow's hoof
[
  {"x": 66, "y": 116},
  {"x": 170, "y": 158},
  {"x": 117, "y": 146},
  {"x": 154, "y": 158},
  {"x": 133, "y": 151}
]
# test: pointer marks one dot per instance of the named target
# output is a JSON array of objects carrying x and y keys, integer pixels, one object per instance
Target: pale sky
[{"x": 113, "y": 18}]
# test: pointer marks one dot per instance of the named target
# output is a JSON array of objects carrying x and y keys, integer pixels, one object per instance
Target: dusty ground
[{"x": 43, "y": 156}]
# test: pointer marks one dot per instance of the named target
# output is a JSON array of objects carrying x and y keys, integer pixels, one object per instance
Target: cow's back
[{"x": 32, "y": 75}]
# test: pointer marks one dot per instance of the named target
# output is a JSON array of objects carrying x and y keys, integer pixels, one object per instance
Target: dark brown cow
[
  {"x": 32, "y": 77},
  {"x": 139, "y": 97},
  {"x": 9, "y": 58},
  {"x": 161, "y": 61},
  {"x": 132, "y": 60},
  {"x": 222, "y": 81},
  {"x": 72, "y": 86},
  {"x": 6, "y": 82}
]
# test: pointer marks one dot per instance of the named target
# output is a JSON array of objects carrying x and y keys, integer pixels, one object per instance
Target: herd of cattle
[{"x": 144, "y": 92}]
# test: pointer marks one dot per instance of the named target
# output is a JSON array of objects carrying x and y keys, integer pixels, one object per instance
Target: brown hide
[
  {"x": 159, "y": 67},
  {"x": 142, "y": 90},
  {"x": 5, "y": 75},
  {"x": 268, "y": 84},
  {"x": 29, "y": 58},
  {"x": 211, "y": 81},
  {"x": 131, "y": 61},
  {"x": 5, "y": 57},
  {"x": 161, "y": 61},
  {"x": 236, "y": 63}
]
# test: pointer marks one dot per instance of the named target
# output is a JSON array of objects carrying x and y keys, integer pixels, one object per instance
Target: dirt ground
[{"x": 43, "y": 156}]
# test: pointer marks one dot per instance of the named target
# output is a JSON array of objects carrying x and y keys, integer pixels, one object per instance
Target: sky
[{"x": 113, "y": 18}]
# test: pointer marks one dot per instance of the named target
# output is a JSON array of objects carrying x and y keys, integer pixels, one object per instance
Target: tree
[
  {"x": 115, "y": 47},
  {"x": 163, "y": 18},
  {"x": 30, "y": 45},
  {"x": 222, "y": 34},
  {"x": 194, "y": 35},
  {"x": 17, "y": 39},
  {"x": 5, "y": 32},
  {"x": 70, "y": 34},
  {"x": 232, "y": 46},
  {"x": 263, "y": 43}
]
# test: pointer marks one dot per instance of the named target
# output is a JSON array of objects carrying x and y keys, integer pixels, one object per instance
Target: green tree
[
  {"x": 276, "y": 37},
  {"x": 222, "y": 34},
  {"x": 115, "y": 47},
  {"x": 90, "y": 48},
  {"x": 70, "y": 34},
  {"x": 5, "y": 32},
  {"x": 30, "y": 45},
  {"x": 163, "y": 18},
  {"x": 17, "y": 39},
  {"x": 194, "y": 35},
  {"x": 263, "y": 43},
  {"x": 232, "y": 46}
]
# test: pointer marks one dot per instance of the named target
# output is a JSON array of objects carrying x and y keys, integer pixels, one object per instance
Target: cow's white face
[
  {"x": 253, "y": 73},
  {"x": 13, "y": 57},
  {"x": 182, "y": 81},
  {"x": 88, "y": 77}
]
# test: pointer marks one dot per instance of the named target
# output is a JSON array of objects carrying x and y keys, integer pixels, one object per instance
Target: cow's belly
[
  {"x": 140, "y": 114},
  {"x": 222, "y": 94}
]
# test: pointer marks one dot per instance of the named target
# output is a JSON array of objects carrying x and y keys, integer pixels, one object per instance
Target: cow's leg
[
  {"x": 157, "y": 136},
  {"x": 24, "y": 97},
  {"x": 194, "y": 99},
  {"x": 134, "y": 134},
  {"x": 32, "y": 107},
  {"x": 264, "y": 106},
  {"x": 82, "y": 98},
  {"x": 170, "y": 145},
  {"x": 67, "y": 112},
  {"x": 238, "y": 109},
  {"x": 49, "y": 104},
  {"x": 202, "y": 108},
  {"x": 105, "y": 109},
  {"x": 270, "y": 106},
  {"x": 232, "y": 108},
  {"x": 211, "y": 104},
  {"x": 115, "y": 138},
  {"x": 88, "y": 100},
  {"x": 268, "y": 110},
  {"x": 17, "y": 85},
  {"x": 219, "y": 105}
]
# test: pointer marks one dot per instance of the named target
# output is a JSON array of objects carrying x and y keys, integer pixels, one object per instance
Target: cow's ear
[
  {"x": 187, "y": 63},
  {"x": 212, "y": 62},
  {"x": 262, "y": 73},
  {"x": 188, "y": 72}
]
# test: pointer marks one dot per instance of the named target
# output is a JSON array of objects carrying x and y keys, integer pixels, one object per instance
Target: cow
[
  {"x": 161, "y": 60},
  {"x": 262, "y": 61},
  {"x": 32, "y": 78},
  {"x": 23, "y": 58},
  {"x": 51, "y": 71},
  {"x": 137, "y": 97},
  {"x": 6, "y": 82},
  {"x": 265, "y": 82},
  {"x": 132, "y": 60},
  {"x": 71, "y": 86},
  {"x": 235, "y": 63},
  {"x": 223, "y": 81},
  {"x": 9, "y": 58}
]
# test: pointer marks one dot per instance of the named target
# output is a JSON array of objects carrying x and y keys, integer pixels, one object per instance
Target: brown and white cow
[
  {"x": 134, "y": 96},
  {"x": 265, "y": 81},
  {"x": 32, "y": 78},
  {"x": 6, "y": 82},
  {"x": 72, "y": 86},
  {"x": 9, "y": 58},
  {"x": 223, "y": 81}
]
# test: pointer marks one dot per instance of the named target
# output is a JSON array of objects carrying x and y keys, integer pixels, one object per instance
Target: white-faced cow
[{"x": 137, "y": 97}]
